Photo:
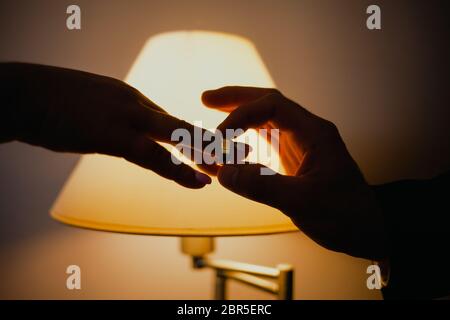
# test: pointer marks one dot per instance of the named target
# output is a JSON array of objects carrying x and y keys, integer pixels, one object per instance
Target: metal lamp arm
[{"x": 250, "y": 274}]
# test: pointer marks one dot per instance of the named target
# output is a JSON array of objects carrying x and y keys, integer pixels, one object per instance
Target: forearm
[
  {"x": 28, "y": 93},
  {"x": 416, "y": 215},
  {"x": 9, "y": 95}
]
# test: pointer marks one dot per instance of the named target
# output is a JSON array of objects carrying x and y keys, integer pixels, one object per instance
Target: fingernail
[
  {"x": 229, "y": 175},
  {"x": 202, "y": 178}
]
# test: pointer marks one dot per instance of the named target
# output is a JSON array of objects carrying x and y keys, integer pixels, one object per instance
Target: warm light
[
  {"x": 175, "y": 68},
  {"x": 108, "y": 193}
]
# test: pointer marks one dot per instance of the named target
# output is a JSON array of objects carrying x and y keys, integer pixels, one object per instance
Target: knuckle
[
  {"x": 274, "y": 96},
  {"x": 330, "y": 129},
  {"x": 272, "y": 100},
  {"x": 132, "y": 91},
  {"x": 276, "y": 101},
  {"x": 129, "y": 93},
  {"x": 275, "y": 91}
]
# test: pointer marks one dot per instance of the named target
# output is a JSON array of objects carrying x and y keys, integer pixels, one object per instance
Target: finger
[
  {"x": 150, "y": 104},
  {"x": 249, "y": 180},
  {"x": 143, "y": 100},
  {"x": 210, "y": 169},
  {"x": 211, "y": 163},
  {"x": 252, "y": 115},
  {"x": 150, "y": 155},
  {"x": 167, "y": 128},
  {"x": 228, "y": 98},
  {"x": 285, "y": 115},
  {"x": 161, "y": 126},
  {"x": 210, "y": 166}
]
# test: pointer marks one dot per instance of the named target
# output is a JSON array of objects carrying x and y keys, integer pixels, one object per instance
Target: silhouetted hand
[
  {"x": 74, "y": 111},
  {"x": 324, "y": 193}
]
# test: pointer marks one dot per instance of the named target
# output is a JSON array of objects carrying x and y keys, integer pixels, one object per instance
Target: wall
[{"x": 385, "y": 90}]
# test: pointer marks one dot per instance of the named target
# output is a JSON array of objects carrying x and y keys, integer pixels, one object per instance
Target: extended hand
[
  {"x": 74, "y": 111},
  {"x": 324, "y": 193}
]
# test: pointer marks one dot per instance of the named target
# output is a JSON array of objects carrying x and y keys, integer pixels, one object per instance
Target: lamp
[{"x": 111, "y": 194}]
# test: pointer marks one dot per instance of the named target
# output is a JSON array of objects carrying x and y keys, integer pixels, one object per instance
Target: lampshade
[{"x": 109, "y": 193}]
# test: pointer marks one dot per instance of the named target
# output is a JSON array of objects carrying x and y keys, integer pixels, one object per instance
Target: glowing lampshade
[{"x": 109, "y": 193}]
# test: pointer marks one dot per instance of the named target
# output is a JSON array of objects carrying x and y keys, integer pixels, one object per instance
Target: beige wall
[{"x": 386, "y": 91}]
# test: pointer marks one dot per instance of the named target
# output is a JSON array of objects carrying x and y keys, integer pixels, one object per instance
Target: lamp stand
[{"x": 278, "y": 281}]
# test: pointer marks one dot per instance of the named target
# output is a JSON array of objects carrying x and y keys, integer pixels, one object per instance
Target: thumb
[{"x": 253, "y": 182}]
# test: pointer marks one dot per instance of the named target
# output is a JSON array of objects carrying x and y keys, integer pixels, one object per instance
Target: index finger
[
  {"x": 230, "y": 97},
  {"x": 307, "y": 128}
]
